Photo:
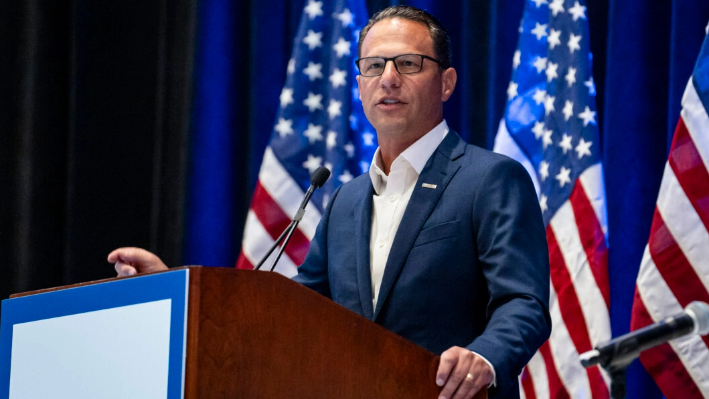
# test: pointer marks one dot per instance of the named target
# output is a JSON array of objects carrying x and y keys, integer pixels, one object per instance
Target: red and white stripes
[
  {"x": 675, "y": 267},
  {"x": 579, "y": 298},
  {"x": 276, "y": 200}
]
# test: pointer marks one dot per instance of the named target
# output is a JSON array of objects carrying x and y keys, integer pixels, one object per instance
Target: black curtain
[{"x": 94, "y": 124}]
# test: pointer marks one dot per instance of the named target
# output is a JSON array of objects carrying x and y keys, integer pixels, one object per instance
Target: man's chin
[
  {"x": 391, "y": 123},
  {"x": 391, "y": 129}
]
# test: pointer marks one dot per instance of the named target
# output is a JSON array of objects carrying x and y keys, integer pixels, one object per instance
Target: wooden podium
[{"x": 261, "y": 335}]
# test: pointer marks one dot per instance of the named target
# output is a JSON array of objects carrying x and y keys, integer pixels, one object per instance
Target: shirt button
[
  {"x": 381, "y": 243},
  {"x": 392, "y": 198}
]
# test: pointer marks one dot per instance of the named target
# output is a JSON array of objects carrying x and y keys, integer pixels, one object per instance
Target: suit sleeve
[
  {"x": 313, "y": 273},
  {"x": 512, "y": 249}
]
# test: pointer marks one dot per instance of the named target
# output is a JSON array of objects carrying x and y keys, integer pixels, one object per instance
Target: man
[{"x": 442, "y": 242}]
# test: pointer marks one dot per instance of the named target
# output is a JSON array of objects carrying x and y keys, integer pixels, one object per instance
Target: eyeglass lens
[{"x": 406, "y": 63}]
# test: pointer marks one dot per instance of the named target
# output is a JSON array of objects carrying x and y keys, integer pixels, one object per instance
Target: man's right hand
[{"x": 130, "y": 261}]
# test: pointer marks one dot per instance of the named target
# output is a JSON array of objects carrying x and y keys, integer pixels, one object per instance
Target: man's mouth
[{"x": 390, "y": 101}]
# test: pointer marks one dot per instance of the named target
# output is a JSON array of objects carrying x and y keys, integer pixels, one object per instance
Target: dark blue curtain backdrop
[{"x": 644, "y": 54}]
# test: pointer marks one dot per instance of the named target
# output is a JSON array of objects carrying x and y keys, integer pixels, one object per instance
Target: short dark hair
[{"x": 439, "y": 34}]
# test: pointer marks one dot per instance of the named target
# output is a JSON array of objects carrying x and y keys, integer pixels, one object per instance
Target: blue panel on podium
[{"x": 118, "y": 339}]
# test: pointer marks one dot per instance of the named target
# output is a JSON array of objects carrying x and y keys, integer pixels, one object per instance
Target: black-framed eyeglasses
[{"x": 404, "y": 64}]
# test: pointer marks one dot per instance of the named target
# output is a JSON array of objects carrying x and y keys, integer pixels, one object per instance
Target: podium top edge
[{"x": 92, "y": 282}]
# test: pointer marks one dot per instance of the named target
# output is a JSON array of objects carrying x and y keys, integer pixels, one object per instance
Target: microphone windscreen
[{"x": 320, "y": 176}]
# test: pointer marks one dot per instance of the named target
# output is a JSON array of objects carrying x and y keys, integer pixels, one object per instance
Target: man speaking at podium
[{"x": 441, "y": 242}]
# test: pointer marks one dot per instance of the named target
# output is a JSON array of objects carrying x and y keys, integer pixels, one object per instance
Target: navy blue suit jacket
[{"x": 468, "y": 266}]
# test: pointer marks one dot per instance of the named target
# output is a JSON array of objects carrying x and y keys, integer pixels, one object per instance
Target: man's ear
[
  {"x": 448, "y": 79},
  {"x": 358, "y": 87}
]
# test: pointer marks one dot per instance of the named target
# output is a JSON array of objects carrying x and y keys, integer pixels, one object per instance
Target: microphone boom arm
[{"x": 316, "y": 180}]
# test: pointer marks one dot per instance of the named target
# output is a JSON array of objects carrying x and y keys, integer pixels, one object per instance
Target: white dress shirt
[{"x": 391, "y": 195}]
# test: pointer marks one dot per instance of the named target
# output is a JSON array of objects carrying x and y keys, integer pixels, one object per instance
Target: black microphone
[
  {"x": 320, "y": 176},
  {"x": 620, "y": 351},
  {"x": 317, "y": 179}
]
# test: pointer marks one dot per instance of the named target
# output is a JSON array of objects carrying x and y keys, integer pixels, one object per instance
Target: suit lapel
[
  {"x": 363, "y": 226},
  {"x": 438, "y": 172}
]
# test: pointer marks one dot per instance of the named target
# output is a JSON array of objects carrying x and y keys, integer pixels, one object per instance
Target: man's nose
[{"x": 390, "y": 77}]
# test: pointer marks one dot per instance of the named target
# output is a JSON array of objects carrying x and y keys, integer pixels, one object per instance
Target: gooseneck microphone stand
[{"x": 318, "y": 178}]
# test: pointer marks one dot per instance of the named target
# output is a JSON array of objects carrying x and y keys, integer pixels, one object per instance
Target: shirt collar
[{"x": 416, "y": 155}]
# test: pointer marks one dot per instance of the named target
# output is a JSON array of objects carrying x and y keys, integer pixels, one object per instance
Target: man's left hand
[{"x": 462, "y": 374}]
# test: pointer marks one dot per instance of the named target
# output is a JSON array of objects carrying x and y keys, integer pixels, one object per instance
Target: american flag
[
  {"x": 550, "y": 127},
  {"x": 320, "y": 122},
  {"x": 675, "y": 267}
]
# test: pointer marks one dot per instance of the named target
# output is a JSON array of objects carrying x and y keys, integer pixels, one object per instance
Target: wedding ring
[{"x": 469, "y": 376}]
